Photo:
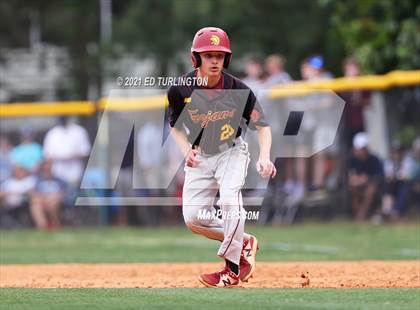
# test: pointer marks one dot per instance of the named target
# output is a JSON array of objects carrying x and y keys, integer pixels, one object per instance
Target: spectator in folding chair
[
  {"x": 365, "y": 177},
  {"x": 15, "y": 196},
  {"x": 47, "y": 197},
  {"x": 397, "y": 181}
]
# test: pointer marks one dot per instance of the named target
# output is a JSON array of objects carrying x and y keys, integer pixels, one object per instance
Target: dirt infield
[{"x": 364, "y": 274}]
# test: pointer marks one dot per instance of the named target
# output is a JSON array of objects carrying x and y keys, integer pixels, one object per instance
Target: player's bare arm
[
  {"x": 264, "y": 165},
  {"x": 182, "y": 141}
]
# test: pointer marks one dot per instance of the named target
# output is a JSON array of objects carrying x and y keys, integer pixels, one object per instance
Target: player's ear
[
  {"x": 228, "y": 58},
  {"x": 195, "y": 59}
]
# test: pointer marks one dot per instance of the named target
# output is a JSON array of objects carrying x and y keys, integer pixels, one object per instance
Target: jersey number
[{"x": 226, "y": 132}]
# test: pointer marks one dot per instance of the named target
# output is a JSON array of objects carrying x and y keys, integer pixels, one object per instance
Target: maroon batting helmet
[{"x": 210, "y": 39}]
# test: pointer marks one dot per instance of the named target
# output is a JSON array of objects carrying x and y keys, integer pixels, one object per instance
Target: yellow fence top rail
[
  {"x": 368, "y": 82},
  {"x": 47, "y": 108},
  {"x": 132, "y": 103}
]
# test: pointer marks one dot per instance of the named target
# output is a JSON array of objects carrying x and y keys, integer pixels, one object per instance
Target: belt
[{"x": 222, "y": 148}]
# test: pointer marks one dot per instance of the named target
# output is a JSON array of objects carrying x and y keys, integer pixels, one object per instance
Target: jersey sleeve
[
  {"x": 253, "y": 113},
  {"x": 175, "y": 107}
]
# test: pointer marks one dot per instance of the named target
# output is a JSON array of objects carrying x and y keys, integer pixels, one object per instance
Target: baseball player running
[{"x": 207, "y": 124}]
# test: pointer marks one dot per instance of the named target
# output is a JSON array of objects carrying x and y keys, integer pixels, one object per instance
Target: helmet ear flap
[
  {"x": 226, "y": 62},
  {"x": 196, "y": 59}
]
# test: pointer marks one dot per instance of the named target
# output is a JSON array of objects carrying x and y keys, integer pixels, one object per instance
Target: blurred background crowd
[{"x": 54, "y": 52}]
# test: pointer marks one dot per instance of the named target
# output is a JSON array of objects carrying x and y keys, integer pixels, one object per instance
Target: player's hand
[
  {"x": 266, "y": 168},
  {"x": 191, "y": 160}
]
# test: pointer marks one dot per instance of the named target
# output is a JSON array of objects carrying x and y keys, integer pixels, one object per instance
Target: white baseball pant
[{"x": 226, "y": 172}]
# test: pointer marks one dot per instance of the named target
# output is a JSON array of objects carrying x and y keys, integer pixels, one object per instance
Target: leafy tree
[
  {"x": 383, "y": 34},
  {"x": 164, "y": 29}
]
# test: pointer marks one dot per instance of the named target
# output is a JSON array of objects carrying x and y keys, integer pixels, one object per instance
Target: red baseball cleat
[
  {"x": 247, "y": 262},
  {"x": 222, "y": 278}
]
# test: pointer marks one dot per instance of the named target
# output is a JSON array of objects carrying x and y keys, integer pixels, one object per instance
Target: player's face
[{"x": 212, "y": 63}]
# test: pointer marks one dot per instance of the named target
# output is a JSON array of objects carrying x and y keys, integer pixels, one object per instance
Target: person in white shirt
[
  {"x": 67, "y": 145},
  {"x": 274, "y": 65}
]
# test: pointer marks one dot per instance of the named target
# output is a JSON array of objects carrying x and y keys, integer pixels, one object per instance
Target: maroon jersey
[{"x": 213, "y": 118}]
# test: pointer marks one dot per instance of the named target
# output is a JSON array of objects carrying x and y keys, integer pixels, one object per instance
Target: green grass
[
  {"x": 210, "y": 299},
  {"x": 304, "y": 242}
]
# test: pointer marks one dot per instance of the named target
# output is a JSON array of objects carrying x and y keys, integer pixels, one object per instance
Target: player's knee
[
  {"x": 193, "y": 227},
  {"x": 190, "y": 218},
  {"x": 192, "y": 223}
]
